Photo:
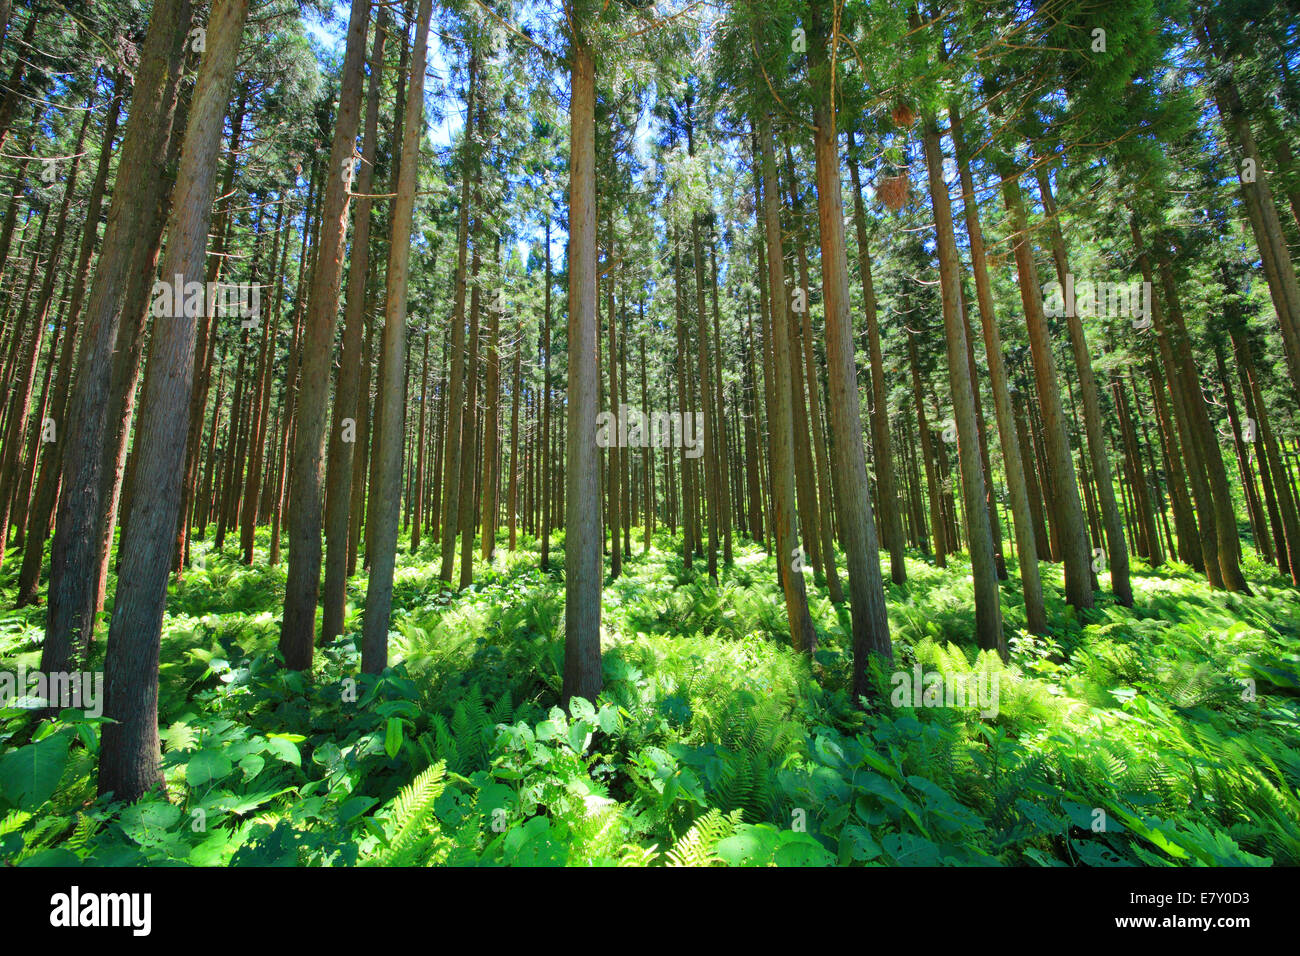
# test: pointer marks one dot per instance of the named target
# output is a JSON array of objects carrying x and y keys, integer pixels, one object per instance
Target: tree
[
  {"x": 347, "y": 400},
  {"x": 73, "y": 572},
  {"x": 129, "y": 754},
  {"x": 379, "y": 591},
  {"x": 298, "y": 630},
  {"x": 858, "y": 530},
  {"x": 582, "y": 560}
]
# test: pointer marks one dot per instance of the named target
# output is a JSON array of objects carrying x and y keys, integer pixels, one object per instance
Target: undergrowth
[{"x": 1158, "y": 735}]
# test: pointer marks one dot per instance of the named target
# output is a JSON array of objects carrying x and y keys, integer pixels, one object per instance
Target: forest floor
[{"x": 1164, "y": 734}]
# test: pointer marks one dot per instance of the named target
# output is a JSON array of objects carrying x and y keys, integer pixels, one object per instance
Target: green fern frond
[
  {"x": 411, "y": 826},
  {"x": 698, "y": 845}
]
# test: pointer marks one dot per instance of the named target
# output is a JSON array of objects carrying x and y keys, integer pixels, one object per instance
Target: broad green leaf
[{"x": 206, "y": 766}]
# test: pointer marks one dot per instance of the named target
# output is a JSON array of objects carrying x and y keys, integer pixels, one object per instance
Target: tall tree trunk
[
  {"x": 1138, "y": 478},
  {"x": 207, "y": 335},
  {"x": 418, "y": 514},
  {"x": 682, "y": 364},
  {"x": 1283, "y": 513},
  {"x": 1258, "y": 526},
  {"x": 20, "y": 404},
  {"x": 720, "y": 414},
  {"x": 491, "y": 418},
  {"x": 754, "y": 485},
  {"x": 781, "y": 417},
  {"x": 1116, "y": 551},
  {"x": 647, "y": 461},
  {"x": 1017, "y": 489},
  {"x": 388, "y": 446},
  {"x": 17, "y": 85},
  {"x": 1258, "y": 195},
  {"x": 512, "y": 496},
  {"x": 547, "y": 458},
  {"x": 856, "y": 521},
  {"x": 1226, "y": 540},
  {"x": 129, "y": 754},
  {"x": 72, "y": 593},
  {"x": 302, "y": 586},
  {"x": 456, "y": 402},
  {"x": 927, "y": 454},
  {"x": 469, "y": 418},
  {"x": 612, "y": 469},
  {"x": 582, "y": 564},
  {"x": 988, "y": 608},
  {"x": 51, "y": 452},
  {"x": 882, "y": 446},
  {"x": 822, "y": 533},
  {"x": 266, "y": 365},
  {"x": 1063, "y": 493},
  {"x": 1189, "y": 540}
]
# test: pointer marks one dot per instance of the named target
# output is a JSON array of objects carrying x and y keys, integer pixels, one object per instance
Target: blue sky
[
  {"x": 449, "y": 108},
  {"x": 441, "y": 133},
  {"x": 331, "y": 36}
]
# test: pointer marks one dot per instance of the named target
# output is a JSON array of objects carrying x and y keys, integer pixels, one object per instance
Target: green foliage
[
  {"x": 410, "y": 834},
  {"x": 1126, "y": 737}
]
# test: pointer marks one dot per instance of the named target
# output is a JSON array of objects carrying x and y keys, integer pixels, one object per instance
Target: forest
[{"x": 796, "y": 433}]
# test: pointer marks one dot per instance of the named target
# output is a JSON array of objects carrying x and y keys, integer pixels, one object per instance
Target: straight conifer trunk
[
  {"x": 781, "y": 424},
  {"x": 342, "y": 451},
  {"x": 1017, "y": 491},
  {"x": 988, "y": 607},
  {"x": 1063, "y": 493},
  {"x": 582, "y": 542},
  {"x": 881, "y": 443},
  {"x": 1116, "y": 549},
  {"x": 302, "y": 587},
  {"x": 129, "y": 756},
  {"x": 388, "y": 442},
  {"x": 451, "y": 479},
  {"x": 73, "y": 579},
  {"x": 857, "y": 523}
]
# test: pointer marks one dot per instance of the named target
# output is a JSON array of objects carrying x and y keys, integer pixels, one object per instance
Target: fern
[
  {"x": 698, "y": 845},
  {"x": 412, "y": 830},
  {"x": 635, "y": 855}
]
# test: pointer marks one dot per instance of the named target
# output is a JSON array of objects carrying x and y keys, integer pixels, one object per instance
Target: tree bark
[
  {"x": 882, "y": 445},
  {"x": 582, "y": 564},
  {"x": 780, "y": 419},
  {"x": 1063, "y": 494},
  {"x": 856, "y": 521},
  {"x": 302, "y": 586},
  {"x": 72, "y": 592},
  {"x": 388, "y": 447},
  {"x": 1017, "y": 489},
  {"x": 1116, "y": 550},
  {"x": 988, "y": 608},
  {"x": 129, "y": 755}
]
